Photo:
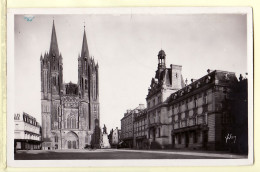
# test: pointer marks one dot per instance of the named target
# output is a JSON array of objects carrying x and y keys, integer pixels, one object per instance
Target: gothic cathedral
[{"x": 69, "y": 111}]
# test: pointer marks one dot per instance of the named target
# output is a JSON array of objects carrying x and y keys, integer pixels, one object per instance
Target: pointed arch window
[
  {"x": 68, "y": 122},
  {"x": 94, "y": 86},
  {"x": 58, "y": 79},
  {"x": 73, "y": 122},
  {"x": 56, "y": 138},
  {"x": 85, "y": 66},
  {"x": 86, "y": 84},
  {"x": 82, "y": 82}
]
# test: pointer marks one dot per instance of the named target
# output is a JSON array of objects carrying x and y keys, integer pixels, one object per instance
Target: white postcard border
[{"x": 117, "y": 11}]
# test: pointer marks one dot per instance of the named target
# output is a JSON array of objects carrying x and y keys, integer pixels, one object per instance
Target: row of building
[
  {"x": 209, "y": 113},
  {"x": 114, "y": 137},
  {"x": 27, "y": 132}
]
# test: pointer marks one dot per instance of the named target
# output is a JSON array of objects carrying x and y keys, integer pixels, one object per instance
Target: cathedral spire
[
  {"x": 54, "y": 50},
  {"x": 84, "y": 50}
]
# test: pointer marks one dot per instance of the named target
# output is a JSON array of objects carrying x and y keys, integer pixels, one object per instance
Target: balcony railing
[{"x": 198, "y": 120}]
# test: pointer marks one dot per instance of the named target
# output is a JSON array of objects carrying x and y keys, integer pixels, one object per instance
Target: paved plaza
[{"x": 119, "y": 154}]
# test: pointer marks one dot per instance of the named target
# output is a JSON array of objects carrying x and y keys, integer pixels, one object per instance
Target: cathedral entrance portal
[{"x": 72, "y": 140}]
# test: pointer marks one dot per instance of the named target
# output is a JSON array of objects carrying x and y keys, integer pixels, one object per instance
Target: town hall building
[{"x": 68, "y": 110}]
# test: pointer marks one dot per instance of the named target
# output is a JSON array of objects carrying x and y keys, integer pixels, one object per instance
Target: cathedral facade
[{"x": 69, "y": 110}]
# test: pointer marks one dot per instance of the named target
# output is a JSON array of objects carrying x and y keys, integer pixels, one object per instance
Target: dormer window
[
  {"x": 198, "y": 84},
  {"x": 208, "y": 79},
  {"x": 226, "y": 76},
  {"x": 189, "y": 88}
]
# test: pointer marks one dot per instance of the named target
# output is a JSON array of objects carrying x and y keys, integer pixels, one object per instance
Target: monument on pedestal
[{"x": 104, "y": 139}]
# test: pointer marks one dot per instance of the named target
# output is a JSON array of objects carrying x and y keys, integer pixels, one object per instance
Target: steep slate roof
[
  {"x": 84, "y": 50},
  {"x": 54, "y": 49}
]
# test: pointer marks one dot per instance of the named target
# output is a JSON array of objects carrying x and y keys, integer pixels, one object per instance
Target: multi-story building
[
  {"x": 141, "y": 130},
  {"x": 116, "y": 136},
  {"x": 166, "y": 82},
  {"x": 110, "y": 136},
  {"x": 127, "y": 125},
  {"x": 238, "y": 136},
  {"x": 209, "y": 113},
  {"x": 27, "y": 132},
  {"x": 200, "y": 112},
  {"x": 68, "y": 110}
]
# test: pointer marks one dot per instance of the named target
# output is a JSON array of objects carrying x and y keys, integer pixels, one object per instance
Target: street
[{"x": 118, "y": 154}]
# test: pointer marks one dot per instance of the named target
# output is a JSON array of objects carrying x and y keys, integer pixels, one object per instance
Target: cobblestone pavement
[{"x": 120, "y": 154}]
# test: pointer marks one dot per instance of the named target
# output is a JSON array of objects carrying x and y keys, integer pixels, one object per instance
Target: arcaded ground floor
[
  {"x": 25, "y": 144},
  {"x": 120, "y": 154}
]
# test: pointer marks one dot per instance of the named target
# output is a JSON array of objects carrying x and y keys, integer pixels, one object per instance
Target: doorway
[
  {"x": 186, "y": 139},
  {"x": 72, "y": 140},
  {"x": 205, "y": 139}
]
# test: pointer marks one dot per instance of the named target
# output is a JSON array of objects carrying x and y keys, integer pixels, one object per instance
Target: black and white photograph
[{"x": 129, "y": 87}]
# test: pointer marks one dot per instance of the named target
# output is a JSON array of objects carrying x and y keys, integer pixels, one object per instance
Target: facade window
[
  {"x": 225, "y": 118},
  {"x": 205, "y": 99},
  {"x": 86, "y": 84},
  {"x": 68, "y": 122},
  {"x": 153, "y": 102},
  {"x": 159, "y": 116},
  {"x": 56, "y": 139},
  {"x": 159, "y": 99},
  {"x": 94, "y": 86},
  {"x": 179, "y": 139},
  {"x": 206, "y": 118},
  {"x": 187, "y": 105},
  {"x": 54, "y": 80},
  {"x": 73, "y": 123},
  {"x": 195, "y": 102},
  {"x": 195, "y": 137},
  {"x": 159, "y": 132}
]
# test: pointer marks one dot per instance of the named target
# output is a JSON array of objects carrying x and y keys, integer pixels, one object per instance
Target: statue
[
  {"x": 104, "y": 143},
  {"x": 104, "y": 129}
]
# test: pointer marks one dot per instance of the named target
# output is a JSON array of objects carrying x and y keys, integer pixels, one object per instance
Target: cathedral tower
[
  {"x": 88, "y": 85},
  {"x": 68, "y": 110},
  {"x": 51, "y": 88}
]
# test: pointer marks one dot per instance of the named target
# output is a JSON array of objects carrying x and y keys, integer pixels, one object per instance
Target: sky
[{"x": 126, "y": 47}]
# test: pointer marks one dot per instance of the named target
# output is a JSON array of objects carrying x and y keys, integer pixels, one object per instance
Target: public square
[{"x": 96, "y": 154}]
